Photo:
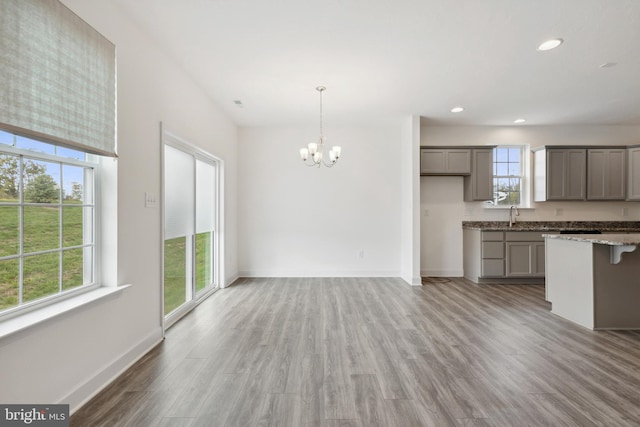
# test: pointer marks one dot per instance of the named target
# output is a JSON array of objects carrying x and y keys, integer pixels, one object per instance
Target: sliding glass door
[{"x": 190, "y": 223}]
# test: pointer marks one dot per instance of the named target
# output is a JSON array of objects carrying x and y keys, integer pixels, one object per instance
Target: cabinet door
[
  {"x": 538, "y": 262},
  {"x": 633, "y": 156},
  {"x": 566, "y": 174},
  {"x": 432, "y": 161},
  {"x": 519, "y": 259},
  {"x": 493, "y": 267},
  {"x": 445, "y": 161},
  {"x": 479, "y": 185},
  {"x": 606, "y": 171},
  {"x": 459, "y": 162}
]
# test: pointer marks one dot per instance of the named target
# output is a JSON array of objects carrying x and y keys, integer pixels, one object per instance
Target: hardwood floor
[{"x": 376, "y": 352}]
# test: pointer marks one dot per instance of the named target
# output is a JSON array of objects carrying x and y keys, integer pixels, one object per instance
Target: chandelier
[{"x": 316, "y": 149}]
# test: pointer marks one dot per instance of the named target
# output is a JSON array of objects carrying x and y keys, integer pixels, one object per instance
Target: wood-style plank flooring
[{"x": 376, "y": 352}]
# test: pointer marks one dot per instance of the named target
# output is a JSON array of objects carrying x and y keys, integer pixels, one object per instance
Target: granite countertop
[
  {"x": 604, "y": 226},
  {"x": 603, "y": 239}
]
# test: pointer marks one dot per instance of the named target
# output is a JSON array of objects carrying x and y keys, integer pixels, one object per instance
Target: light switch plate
[{"x": 150, "y": 200}]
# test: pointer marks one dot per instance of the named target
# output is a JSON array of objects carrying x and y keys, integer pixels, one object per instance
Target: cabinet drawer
[
  {"x": 492, "y": 267},
  {"x": 492, "y": 236},
  {"x": 492, "y": 250},
  {"x": 524, "y": 236}
]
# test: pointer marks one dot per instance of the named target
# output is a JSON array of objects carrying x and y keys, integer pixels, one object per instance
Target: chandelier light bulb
[
  {"x": 313, "y": 148},
  {"x": 337, "y": 149},
  {"x": 304, "y": 153}
]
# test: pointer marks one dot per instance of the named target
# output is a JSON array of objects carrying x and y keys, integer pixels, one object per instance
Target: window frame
[
  {"x": 525, "y": 190},
  {"x": 91, "y": 161}
]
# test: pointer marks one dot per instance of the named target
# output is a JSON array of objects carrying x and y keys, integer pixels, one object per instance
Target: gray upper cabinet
[
  {"x": 445, "y": 161},
  {"x": 560, "y": 174},
  {"x": 606, "y": 174},
  {"x": 479, "y": 185},
  {"x": 633, "y": 173}
]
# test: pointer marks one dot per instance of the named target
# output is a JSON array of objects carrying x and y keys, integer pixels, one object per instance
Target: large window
[
  {"x": 508, "y": 174},
  {"x": 47, "y": 221}
]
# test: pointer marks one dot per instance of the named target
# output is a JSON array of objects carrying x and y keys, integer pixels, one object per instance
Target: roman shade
[{"x": 57, "y": 77}]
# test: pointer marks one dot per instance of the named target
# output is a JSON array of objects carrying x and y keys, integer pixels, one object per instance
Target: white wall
[
  {"x": 71, "y": 357},
  {"x": 295, "y": 220},
  {"x": 410, "y": 192},
  {"x": 442, "y": 197}
]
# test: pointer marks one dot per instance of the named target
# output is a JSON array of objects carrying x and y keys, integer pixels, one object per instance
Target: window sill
[{"x": 32, "y": 318}]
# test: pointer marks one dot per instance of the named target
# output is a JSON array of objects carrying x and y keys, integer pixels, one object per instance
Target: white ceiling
[{"x": 386, "y": 59}]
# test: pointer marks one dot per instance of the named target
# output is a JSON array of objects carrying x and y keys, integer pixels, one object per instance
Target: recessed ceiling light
[
  {"x": 550, "y": 44},
  {"x": 457, "y": 109},
  {"x": 238, "y": 103},
  {"x": 608, "y": 65},
  {"x": 518, "y": 121}
]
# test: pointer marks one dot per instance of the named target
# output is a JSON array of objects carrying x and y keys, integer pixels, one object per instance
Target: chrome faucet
[{"x": 512, "y": 218}]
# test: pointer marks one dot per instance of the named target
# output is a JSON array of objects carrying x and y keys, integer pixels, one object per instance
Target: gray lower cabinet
[
  {"x": 493, "y": 259},
  {"x": 503, "y": 255},
  {"x": 524, "y": 259},
  {"x": 524, "y": 254}
]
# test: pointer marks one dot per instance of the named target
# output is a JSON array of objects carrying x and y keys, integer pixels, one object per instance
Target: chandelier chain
[{"x": 321, "y": 89}]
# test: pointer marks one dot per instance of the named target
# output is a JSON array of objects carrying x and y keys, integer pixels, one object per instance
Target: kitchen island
[{"x": 594, "y": 280}]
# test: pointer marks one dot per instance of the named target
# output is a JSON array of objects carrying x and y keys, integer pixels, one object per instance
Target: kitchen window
[
  {"x": 509, "y": 176},
  {"x": 48, "y": 211}
]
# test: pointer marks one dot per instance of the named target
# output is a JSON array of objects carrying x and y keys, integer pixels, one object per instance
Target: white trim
[
  {"x": 34, "y": 317},
  {"x": 323, "y": 273},
  {"x": 442, "y": 273},
  {"x": 230, "y": 280},
  {"x": 168, "y": 138},
  {"x": 525, "y": 180},
  {"x": 413, "y": 281},
  {"x": 90, "y": 388}
]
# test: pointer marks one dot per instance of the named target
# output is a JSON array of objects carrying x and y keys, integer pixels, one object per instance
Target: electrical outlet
[
  {"x": 558, "y": 212},
  {"x": 624, "y": 212},
  {"x": 361, "y": 254}
]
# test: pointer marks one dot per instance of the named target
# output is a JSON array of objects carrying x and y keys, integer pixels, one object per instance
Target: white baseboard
[
  {"x": 229, "y": 280},
  {"x": 442, "y": 273},
  {"x": 85, "y": 392},
  {"x": 323, "y": 273},
  {"x": 413, "y": 281}
]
